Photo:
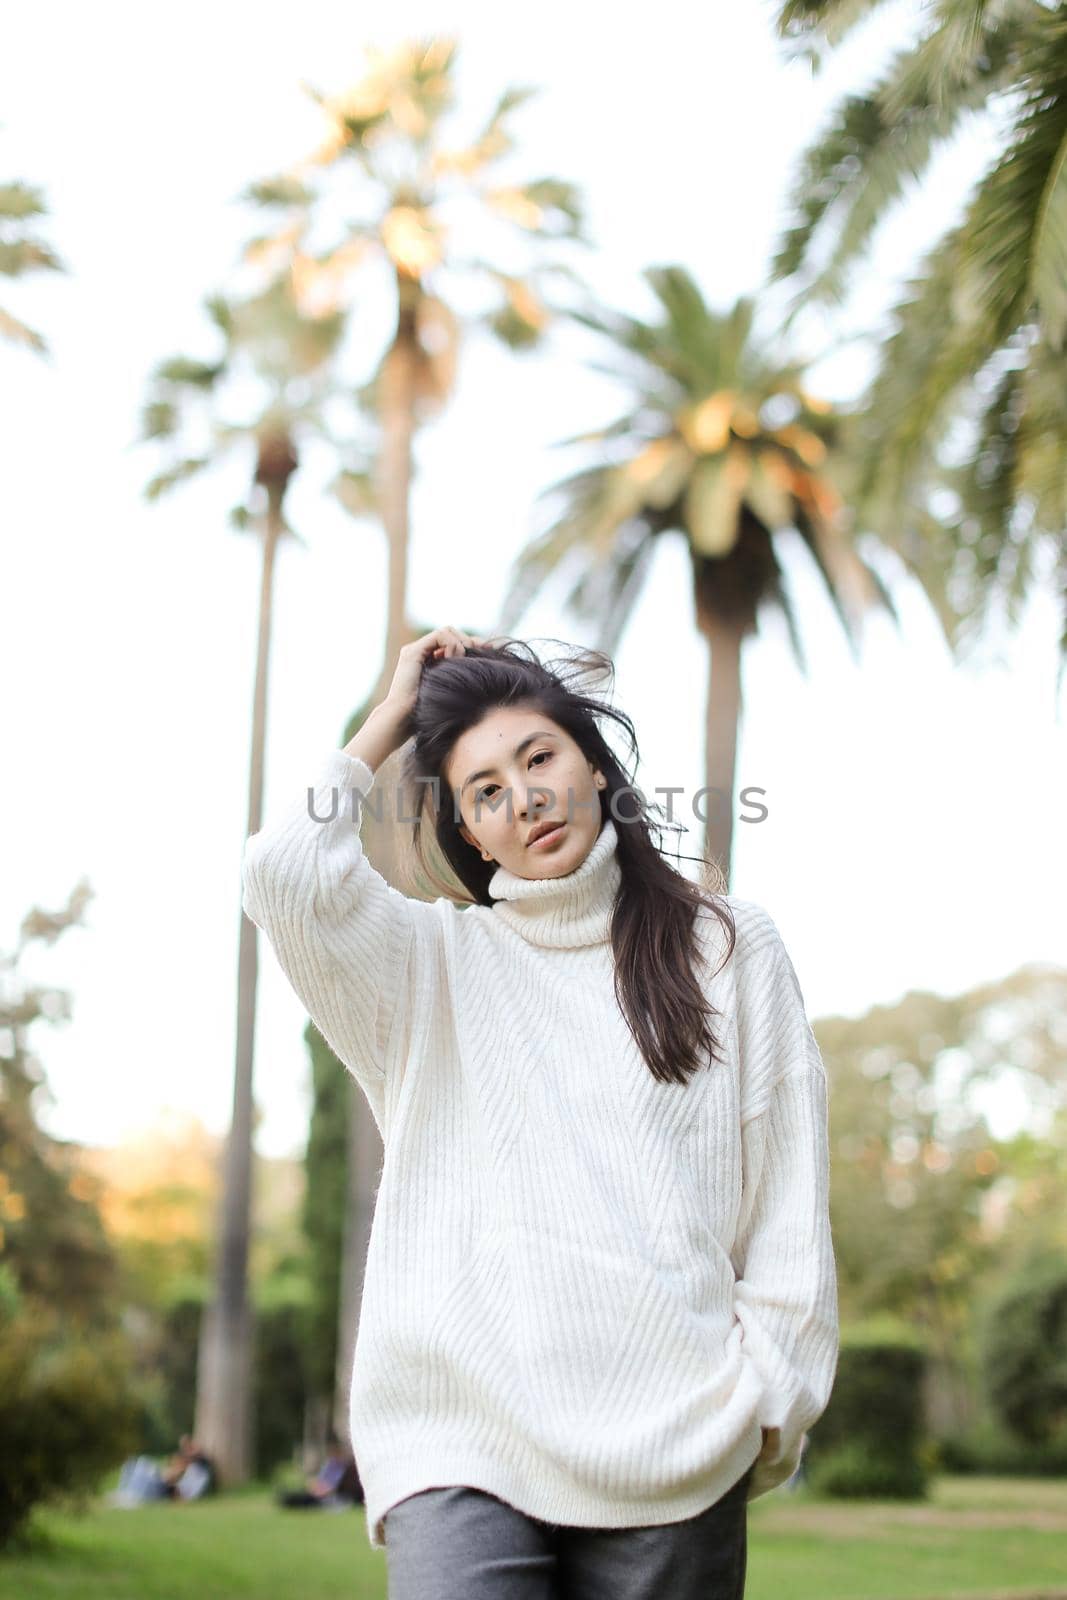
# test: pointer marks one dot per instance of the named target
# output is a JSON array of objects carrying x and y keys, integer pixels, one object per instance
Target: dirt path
[{"x": 857, "y": 1522}]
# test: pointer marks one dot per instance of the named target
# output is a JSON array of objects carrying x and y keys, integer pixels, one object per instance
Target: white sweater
[{"x": 586, "y": 1290}]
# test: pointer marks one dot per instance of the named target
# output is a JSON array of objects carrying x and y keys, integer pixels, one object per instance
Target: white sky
[{"x": 913, "y": 836}]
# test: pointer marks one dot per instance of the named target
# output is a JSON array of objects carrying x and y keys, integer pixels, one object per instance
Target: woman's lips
[{"x": 547, "y": 838}]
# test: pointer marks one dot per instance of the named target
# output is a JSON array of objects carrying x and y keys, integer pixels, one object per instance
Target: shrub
[
  {"x": 67, "y": 1414},
  {"x": 986, "y": 1447},
  {"x": 870, "y": 1439},
  {"x": 279, "y": 1382},
  {"x": 860, "y": 1471},
  {"x": 279, "y": 1385},
  {"x": 1024, "y": 1355}
]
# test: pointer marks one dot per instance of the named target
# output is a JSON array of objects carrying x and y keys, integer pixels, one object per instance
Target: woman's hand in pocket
[{"x": 771, "y": 1448}]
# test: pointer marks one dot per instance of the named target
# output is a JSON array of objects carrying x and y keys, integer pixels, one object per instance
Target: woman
[{"x": 600, "y": 1306}]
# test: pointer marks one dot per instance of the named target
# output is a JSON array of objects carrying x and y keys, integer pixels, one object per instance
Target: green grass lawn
[{"x": 974, "y": 1537}]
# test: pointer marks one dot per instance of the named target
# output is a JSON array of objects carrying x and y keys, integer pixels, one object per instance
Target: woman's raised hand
[
  {"x": 413, "y": 657},
  {"x": 389, "y": 724}
]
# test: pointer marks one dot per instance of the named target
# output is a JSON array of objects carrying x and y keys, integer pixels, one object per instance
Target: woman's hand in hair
[{"x": 412, "y": 659}]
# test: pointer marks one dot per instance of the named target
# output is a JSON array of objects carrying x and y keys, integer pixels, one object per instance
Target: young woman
[{"x": 600, "y": 1306}]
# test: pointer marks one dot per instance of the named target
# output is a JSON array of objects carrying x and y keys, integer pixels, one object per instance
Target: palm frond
[
  {"x": 971, "y": 296},
  {"x": 27, "y": 255},
  {"x": 607, "y": 593},
  {"x": 1014, "y": 201},
  {"x": 19, "y": 201},
  {"x": 808, "y": 21},
  {"x": 778, "y": 596},
  {"x": 1042, "y": 438},
  {"x": 1048, "y": 263},
  {"x": 584, "y": 484},
  {"x": 17, "y": 332},
  {"x": 597, "y": 502},
  {"x": 560, "y": 205},
  {"x": 987, "y": 483},
  {"x": 181, "y": 472},
  {"x": 1025, "y": 479},
  {"x": 946, "y": 58},
  {"x": 883, "y": 594},
  {"x": 864, "y": 161},
  {"x": 283, "y": 192},
  {"x": 619, "y": 429},
  {"x": 696, "y": 345},
  {"x": 220, "y": 312},
  {"x": 939, "y": 341},
  {"x": 159, "y": 419},
  {"x": 357, "y": 491},
  {"x": 535, "y": 564},
  {"x": 628, "y": 334},
  {"x": 495, "y": 139},
  {"x": 182, "y": 372}
]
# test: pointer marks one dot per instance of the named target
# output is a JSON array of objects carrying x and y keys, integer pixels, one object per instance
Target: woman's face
[{"x": 516, "y": 771}]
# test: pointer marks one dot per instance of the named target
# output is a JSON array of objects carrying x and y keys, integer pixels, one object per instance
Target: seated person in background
[
  {"x": 335, "y": 1485},
  {"x": 176, "y": 1464},
  {"x": 190, "y": 1473}
]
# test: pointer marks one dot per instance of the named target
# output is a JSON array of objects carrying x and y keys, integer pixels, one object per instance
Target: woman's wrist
[{"x": 382, "y": 732}]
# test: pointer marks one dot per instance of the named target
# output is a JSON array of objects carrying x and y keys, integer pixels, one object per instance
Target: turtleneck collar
[{"x": 571, "y": 910}]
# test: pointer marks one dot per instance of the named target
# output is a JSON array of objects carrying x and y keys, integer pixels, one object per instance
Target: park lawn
[{"x": 975, "y": 1537}]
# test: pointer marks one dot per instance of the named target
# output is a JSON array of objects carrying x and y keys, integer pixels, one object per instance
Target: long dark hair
[{"x": 653, "y": 928}]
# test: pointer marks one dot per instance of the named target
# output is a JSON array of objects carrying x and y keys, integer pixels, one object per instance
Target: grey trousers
[{"x": 460, "y": 1543}]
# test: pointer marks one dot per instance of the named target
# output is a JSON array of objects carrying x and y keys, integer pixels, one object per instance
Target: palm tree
[
  {"x": 22, "y": 251},
  {"x": 261, "y": 395},
  {"x": 387, "y": 151},
  {"x": 961, "y": 437},
  {"x": 727, "y": 448},
  {"x": 388, "y": 155}
]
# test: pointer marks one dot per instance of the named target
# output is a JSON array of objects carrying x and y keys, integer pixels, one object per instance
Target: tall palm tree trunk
[
  {"x": 380, "y": 839},
  {"x": 720, "y": 750},
  {"x": 398, "y": 386},
  {"x": 223, "y": 1425}
]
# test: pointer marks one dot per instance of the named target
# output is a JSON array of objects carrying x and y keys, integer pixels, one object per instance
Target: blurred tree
[
  {"x": 67, "y": 1412},
  {"x": 929, "y": 1209},
  {"x": 420, "y": 199},
  {"x": 67, "y": 1402},
  {"x": 323, "y": 1217},
  {"x": 388, "y": 158},
  {"x": 726, "y": 447},
  {"x": 22, "y": 250},
  {"x": 960, "y": 441},
  {"x": 265, "y": 390},
  {"x": 52, "y": 1240},
  {"x": 158, "y": 1191}
]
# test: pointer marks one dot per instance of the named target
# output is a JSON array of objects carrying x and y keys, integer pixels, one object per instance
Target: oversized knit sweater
[{"x": 586, "y": 1290}]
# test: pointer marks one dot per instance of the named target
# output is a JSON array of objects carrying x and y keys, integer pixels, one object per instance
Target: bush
[
  {"x": 67, "y": 1414},
  {"x": 858, "y": 1471},
  {"x": 869, "y": 1442},
  {"x": 988, "y": 1448},
  {"x": 279, "y": 1384},
  {"x": 1024, "y": 1356}
]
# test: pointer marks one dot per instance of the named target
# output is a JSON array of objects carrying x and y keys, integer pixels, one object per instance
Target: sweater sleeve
[
  {"x": 786, "y": 1285},
  {"x": 346, "y": 940}
]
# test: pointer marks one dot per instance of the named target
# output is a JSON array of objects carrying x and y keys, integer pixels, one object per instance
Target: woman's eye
[{"x": 483, "y": 794}]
